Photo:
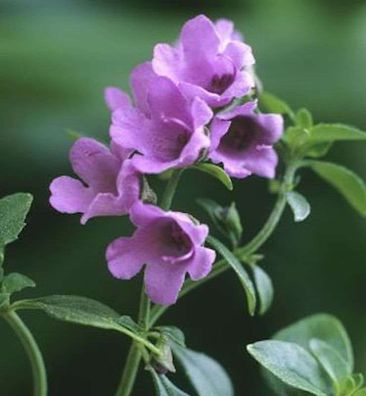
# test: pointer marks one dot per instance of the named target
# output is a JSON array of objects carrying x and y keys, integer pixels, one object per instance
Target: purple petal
[
  {"x": 69, "y": 195},
  {"x": 163, "y": 283},
  {"x": 212, "y": 99},
  {"x": 124, "y": 258},
  {"x": 201, "y": 112},
  {"x": 142, "y": 214},
  {"x": 219, "y": 127},
  {"x": 166, "y": 101},
  {"x": 167, "y": 61},
  {"x": 115, "y": 98},
  {"x": 152, "y": 166},
  {"x": 262, "y": 161},
  {"x": 94, "y": 164},
  {"x": 225, "y": 30},
  {"x": 201, "y": 263},
  {"x": 197, "y": 232},
  {"x": 271, "y": 127},
  {"x": 240, "y": 54},
  {"x": 140, "y": 79},
  {"x": 128, "y": 128},
  {"x": 199, "y": 38}
]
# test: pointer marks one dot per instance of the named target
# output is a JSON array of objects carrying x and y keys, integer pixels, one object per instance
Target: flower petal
[
  {"x": 201, "y": 263},
  {"x": 69, "y": 195},
  {"x": 125, "y": 257},
  {"x": 140, "y": 79},
  {"x": 94, "y": 164},
  {"x": 163, "y": 283},
  {"x": 199, "y": 38},
  {"x": 115, "y": 98}
]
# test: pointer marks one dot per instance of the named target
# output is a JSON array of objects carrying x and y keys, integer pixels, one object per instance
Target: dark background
[{"x": 55, "y": 59}]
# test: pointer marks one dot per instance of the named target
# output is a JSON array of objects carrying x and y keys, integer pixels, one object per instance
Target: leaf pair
[{"x": 313, "y": 355}]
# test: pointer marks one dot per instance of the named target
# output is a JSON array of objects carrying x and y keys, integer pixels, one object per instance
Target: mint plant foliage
[{"x": 195, "y": 105}]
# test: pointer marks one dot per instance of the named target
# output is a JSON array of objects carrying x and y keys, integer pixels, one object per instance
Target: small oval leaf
[
  {"x": 299, "y": 205},
  {"x": 333, "y": 363},
  {"x": 217, "y": 173},
  {"x": 292, "y": 364},
  {"x": 324, "y": 327},
  {"x": 239, "y": 270},
  {"x": 264, "y": 288},
  {"x": 206, "y": 375},
  {"x": 164, "y": 387},
  {"x": 15, "y": 282}
]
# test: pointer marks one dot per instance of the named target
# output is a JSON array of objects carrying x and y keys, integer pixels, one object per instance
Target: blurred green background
[{"x": 55, "y": 59}]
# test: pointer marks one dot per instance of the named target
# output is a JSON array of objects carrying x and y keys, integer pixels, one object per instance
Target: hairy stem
[
  {"x": 32, "y": 350},
  {"x": 135, "y": 353},
  {"x": 245, "y": 251}
]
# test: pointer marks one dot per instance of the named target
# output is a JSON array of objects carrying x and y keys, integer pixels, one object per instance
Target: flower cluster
[{"x": 185, "y": 109}]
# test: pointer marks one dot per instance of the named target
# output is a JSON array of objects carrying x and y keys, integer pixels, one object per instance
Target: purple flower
[
  {"x": 169, "y": 244},
  {"x": 166, "y": 129},
  {"x": 209, "y": 61},
  {"x": 242, "y": 140},
  {"x": 110, "y": 184}
]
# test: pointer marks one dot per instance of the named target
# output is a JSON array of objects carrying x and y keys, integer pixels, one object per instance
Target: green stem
[
  {"x": 170, "y": 189},
  {"x": 32, "y": 350},
  {"x": 134, "y": 356},
  {"x": 246, "y": 250},
  {"x": 135, "y": 353}
]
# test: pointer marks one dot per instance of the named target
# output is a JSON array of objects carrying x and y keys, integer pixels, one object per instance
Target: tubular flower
[
  {"x": 169, "y": 244},
  {"x": 164, "y": 128},
  {"x": 242, "y": 140},
  {"x": 209, "y": 61},
  {"x": 109, "y": 184}
]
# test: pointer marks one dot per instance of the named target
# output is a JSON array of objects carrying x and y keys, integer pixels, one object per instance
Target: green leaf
[
  {"x": 173, "y": 333},
  {"x": 333, "y": 363},
  {"x": 87, "y": 312},
  {"x": 296, "y": 136},
  {"x": 292, "y": 364},
  {"x": 225, "y": 219},
  {"x": 324, "y": 327},
  {"x": 349, "y": 385},
  {"x": 319, "y": 150},
  {"x": 264, "y": 288},
  {"x": 216, "y": 172},
  {"x": 13, "y": 210},
  {"x": 74, "y": 135},
  {"x": 273, "y": 104},
  {"x": 233, "y": 224},
  {"x": 361, "y": 392},
  {"x": 351, "y": 186},
  {"x": 239, "y": 270},
  {"x": 299, "y": 205},
  {"x": 205, "y": 374},
  {"x": 304, "y": 119},
  {"x": 323, "y": 133},
  {"x": 164, "y": 387},
  {"x": 15, "y": 282},
  {"x": 214, "y": 210}
]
